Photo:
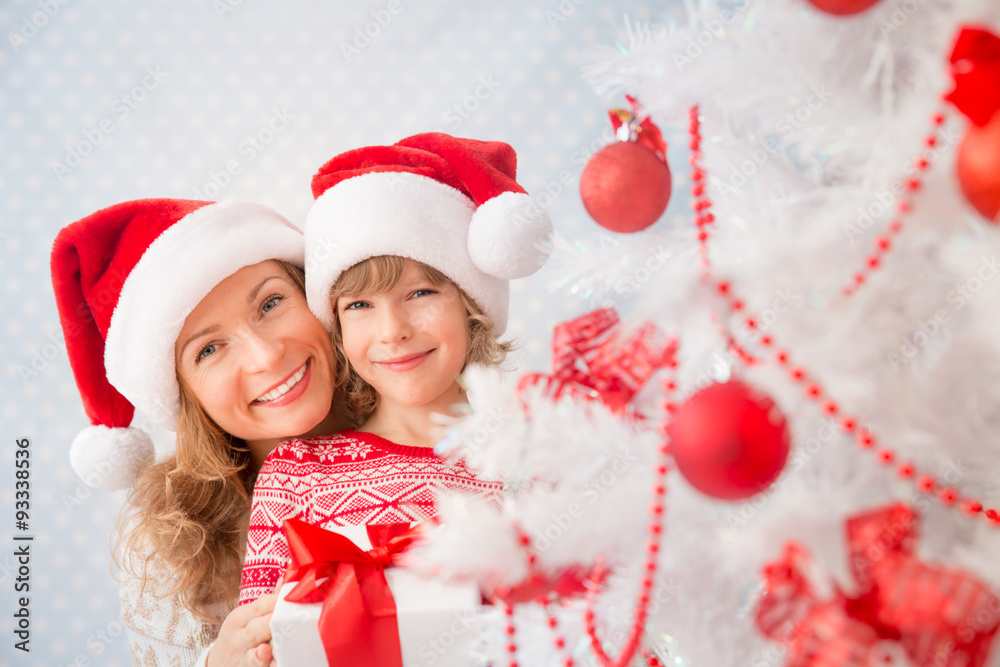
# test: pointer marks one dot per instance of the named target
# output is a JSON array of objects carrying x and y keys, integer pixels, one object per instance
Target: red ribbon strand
[
  {"x": 940, "y": 617},
  {"x": 592, "y": 358}
]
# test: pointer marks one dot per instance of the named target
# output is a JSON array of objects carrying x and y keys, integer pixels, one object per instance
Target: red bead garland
[
  {"x": 813, "y": 389},
  {"x": 655, "y": 530},
  {"x": 912, "y": 185},
  {"x": 702, "y": 205},
  {"x": 923, "y": 482}
]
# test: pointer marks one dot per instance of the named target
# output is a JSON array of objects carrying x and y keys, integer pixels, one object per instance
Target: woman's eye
[
  {"x": 356, "y": 305},
  {"x": 205, "y": 352},
  {"x": 271, "y": 303},
  {"x": 424, "y": 292}
]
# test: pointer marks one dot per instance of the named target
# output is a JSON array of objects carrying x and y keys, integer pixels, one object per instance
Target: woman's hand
[{"x": 243, "y": 637}]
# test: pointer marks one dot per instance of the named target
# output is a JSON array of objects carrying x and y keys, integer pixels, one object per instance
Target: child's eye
[
  {"x": 424, "y": 292},
  {"x": 205, "y": 352},
  {"x": 356, "y": 305}
]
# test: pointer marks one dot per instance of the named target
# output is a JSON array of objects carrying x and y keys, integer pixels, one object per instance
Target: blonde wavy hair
[
  {"x": 191, "y": 511},
  {"x": 380, "y": 274}
]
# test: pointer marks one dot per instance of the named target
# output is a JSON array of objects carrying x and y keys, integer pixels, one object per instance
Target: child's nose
[{"x": 394, "y": 325}]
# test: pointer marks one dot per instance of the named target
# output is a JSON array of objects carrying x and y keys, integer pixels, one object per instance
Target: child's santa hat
[
  {"x": 125, "y": 279},
  {"x": 453, "y": 204}
]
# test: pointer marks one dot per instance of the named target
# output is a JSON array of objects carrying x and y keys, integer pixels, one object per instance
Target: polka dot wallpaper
[{"x": 107, "y": 100}]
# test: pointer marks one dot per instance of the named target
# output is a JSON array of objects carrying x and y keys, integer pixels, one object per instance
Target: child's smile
[{"x": 410, "y": 343}]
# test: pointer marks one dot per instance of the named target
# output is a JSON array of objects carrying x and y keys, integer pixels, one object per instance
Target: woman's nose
[{"x": 263, "y": 353}]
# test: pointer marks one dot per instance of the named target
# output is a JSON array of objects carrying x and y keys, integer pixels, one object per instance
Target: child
[{"x": 408, "y": 252}]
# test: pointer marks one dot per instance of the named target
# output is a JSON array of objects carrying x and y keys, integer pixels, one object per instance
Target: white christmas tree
[{"x": 843, "y": 275}]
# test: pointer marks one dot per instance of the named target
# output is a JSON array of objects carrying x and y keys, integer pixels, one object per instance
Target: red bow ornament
[
  {"x": 645, "y": 131},
  {"x": 940, "y": 617},
  {"x": 593, "y": 358},
  {"x": 357, "y": 622},
  {"x": 975, "y": 66}
]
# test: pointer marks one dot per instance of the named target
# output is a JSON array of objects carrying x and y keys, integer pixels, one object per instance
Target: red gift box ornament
[
  {"x": 940, "y": 617},
  {"x": 357, "y": 622},
  {"x": 594, "y": 358}
]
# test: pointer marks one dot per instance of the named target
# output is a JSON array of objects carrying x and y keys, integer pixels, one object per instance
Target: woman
[{"x": 195, "y": 314}]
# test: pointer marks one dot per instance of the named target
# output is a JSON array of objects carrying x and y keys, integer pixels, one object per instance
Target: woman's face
[{"x": 255, "y": 357}]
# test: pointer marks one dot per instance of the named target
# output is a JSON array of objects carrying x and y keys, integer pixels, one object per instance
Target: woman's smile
[{"x": 287, "y": 391}]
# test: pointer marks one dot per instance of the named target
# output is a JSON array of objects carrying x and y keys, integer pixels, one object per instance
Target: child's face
[{"x": 409, "y": 343}]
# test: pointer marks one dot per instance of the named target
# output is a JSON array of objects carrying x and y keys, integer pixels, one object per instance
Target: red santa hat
[
  {"x": 125, "y": 279},
  {"x": 450, "y": 203}
]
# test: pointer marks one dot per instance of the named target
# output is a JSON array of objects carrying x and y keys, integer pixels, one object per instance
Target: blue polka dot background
[{"x": 104, "y": 101}]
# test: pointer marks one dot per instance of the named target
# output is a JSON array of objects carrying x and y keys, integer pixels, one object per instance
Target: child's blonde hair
[{"x": 379, "y": 275}]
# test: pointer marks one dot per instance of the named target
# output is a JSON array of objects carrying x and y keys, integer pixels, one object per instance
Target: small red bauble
[
  {"x": 625, "y": 187},
  {"x": 978, "y": 168},
  {"x": 729, "y": 441},
  {"x": 843, "y": 7}
]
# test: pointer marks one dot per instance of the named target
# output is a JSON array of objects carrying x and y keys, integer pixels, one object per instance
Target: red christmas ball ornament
[
  {"x": 626, "y": 186},
  {"x": 843, "y": 7},
  {"x": 729, "y": 440},
  {"x": 978, "y": 166}
]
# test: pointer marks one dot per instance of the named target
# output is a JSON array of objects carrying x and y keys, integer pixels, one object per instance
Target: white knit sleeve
[{"x": 161, "y": 631}]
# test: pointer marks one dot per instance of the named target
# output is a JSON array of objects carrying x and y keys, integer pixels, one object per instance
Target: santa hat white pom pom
[
  {"x": 510, "y": 236},
  {"x": 108, "y": 459}
]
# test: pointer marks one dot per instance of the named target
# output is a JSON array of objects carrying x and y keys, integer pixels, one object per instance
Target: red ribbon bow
[
  {"x": 975, "y": 66},
  {"x": 940, "y": 617},
  {"x": 646, "y": 132},
  {"x": 593, "y": 359},
  {"x": 358, "y": 620}
]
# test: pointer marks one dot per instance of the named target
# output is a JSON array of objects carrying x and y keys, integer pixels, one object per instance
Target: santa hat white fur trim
[
  {"x": 173, "y": 275},
  {"x": 510, "y": 236},
  {"x": 109, "y": 459},
  {"x": 394, "y": 213}
]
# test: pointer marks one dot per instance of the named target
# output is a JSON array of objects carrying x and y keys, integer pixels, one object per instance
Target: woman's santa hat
[
  {"x": 453, "y": 204},
  {"x": 125, "y": 279}
]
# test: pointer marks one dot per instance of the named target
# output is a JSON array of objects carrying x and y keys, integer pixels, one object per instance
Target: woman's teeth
[{"x": 279, "y": 391}]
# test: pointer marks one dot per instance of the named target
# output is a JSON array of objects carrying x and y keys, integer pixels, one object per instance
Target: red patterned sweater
[{"x": 347, "y": 479}]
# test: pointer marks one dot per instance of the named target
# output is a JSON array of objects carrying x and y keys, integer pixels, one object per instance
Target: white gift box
[{"x": 434, "y": 619}]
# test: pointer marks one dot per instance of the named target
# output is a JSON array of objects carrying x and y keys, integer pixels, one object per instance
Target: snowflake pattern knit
[{"x": 348, "y": 479}]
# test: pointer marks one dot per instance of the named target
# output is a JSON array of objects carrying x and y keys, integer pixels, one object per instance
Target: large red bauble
[
  {"x": 978, "y": 167},
  {"x": 625, "y": 187},
  {"x": 842, "y": 7},
  {"x": 729, "y": 440}
]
